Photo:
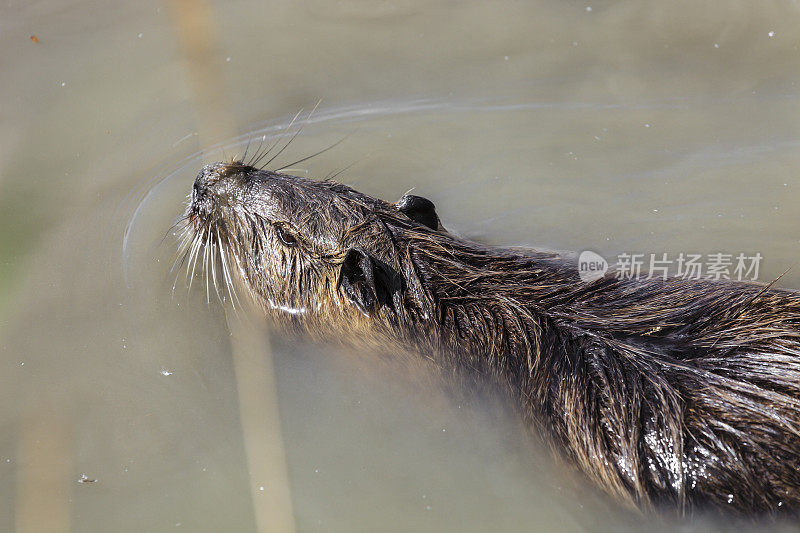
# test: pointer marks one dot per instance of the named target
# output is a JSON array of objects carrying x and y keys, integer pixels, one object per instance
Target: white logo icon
[{"x": 591, "y": 266}]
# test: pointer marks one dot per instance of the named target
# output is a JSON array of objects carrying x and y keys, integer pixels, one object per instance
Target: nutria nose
[
  {"x": 205, "y": 180},
  {"x": 213, "y": 187},
  {"x": 219, "y": 180}
]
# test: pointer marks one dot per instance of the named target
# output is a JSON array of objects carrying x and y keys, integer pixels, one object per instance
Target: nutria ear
[
  {"x": 419, "y": 210},
  {"x": 369, "y": 283},
  {"x": 357, "y": 280}
]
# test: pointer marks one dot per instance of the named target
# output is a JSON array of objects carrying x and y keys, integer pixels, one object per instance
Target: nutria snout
[{"x": 671, "y": 393}]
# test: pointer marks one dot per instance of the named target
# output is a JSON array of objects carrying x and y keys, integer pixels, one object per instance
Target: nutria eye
[{"x": 286, "y": 238}]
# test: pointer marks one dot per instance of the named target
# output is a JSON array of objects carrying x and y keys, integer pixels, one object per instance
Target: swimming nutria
[{"x": 673, "y": 393}]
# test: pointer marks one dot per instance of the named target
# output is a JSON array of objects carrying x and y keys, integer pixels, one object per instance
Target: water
[{"x": 625, "y": 128}]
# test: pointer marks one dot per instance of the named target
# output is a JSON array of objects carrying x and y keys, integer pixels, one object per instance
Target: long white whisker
[
  {"x": 193, "y": 258},
  {"x": 181, "y": 256},
  {"x": 206, "y": 250},
  {"x": 226, "y": 274},
  {"x": 212, "y": 260}
]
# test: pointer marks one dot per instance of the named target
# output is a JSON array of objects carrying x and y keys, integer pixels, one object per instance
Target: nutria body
[{"x": 669, "y": 393}]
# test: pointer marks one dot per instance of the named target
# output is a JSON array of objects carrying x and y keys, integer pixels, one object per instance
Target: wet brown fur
[{"x": 669, "y": 393}]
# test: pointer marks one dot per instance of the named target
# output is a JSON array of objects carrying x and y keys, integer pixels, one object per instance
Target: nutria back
[{"x": 667, "y": 393}]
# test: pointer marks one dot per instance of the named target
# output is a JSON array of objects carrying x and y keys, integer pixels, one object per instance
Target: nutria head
[
  {"x": 316, "y": 255},
  {"x": 672, "y": 392}
]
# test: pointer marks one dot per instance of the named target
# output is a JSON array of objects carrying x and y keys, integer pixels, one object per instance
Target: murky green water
[{"x": 642, "y": 127}]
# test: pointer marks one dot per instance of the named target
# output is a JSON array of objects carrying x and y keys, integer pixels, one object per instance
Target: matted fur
[{"x": 666, "y": 393}]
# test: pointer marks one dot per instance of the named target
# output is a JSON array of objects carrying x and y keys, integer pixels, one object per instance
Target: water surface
[{"x": 624, "y": 127}]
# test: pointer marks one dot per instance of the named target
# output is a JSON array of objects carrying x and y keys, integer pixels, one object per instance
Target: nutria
[{"x": 667, "y": 393}]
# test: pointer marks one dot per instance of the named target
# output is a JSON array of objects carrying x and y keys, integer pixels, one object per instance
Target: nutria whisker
[
  {"x": 186, "y": 259},
  {"x": 232, "y": 294},
  {"x": 193, "y": 258},
  {"x": 260, "y": 146},
  {"x": 184, "y": 229},
  {"x": 258, "y": 157},
  {"x": 304, "y": 159},
  {"x": 247, "y": 147},
  {"x": 204, "y": 265},
  {"x": 337, "y": 173},
  {"x": 212, "y": 261},
  {"x": 186, "y": 237},
  {"x": 293, "y": 137},
  {"x": 278, "y": 137},
  {"x": 291, "y": 169}
]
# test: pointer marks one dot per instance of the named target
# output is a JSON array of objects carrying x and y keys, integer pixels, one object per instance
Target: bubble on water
[
  {"x": 771, "y": 34},
  {"x": 86, "y": 479}
]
